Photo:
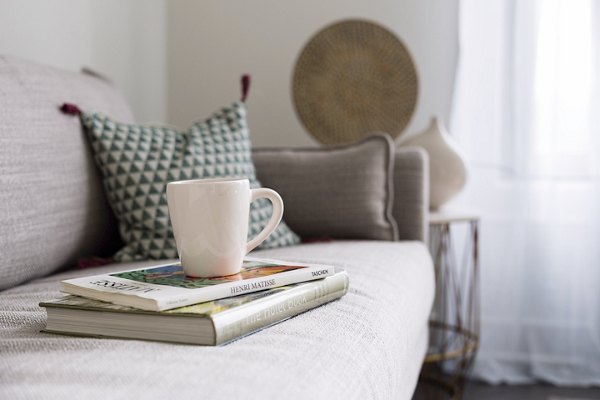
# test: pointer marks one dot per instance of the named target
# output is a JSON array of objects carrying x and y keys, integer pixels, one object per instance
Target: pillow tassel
[
  {"x": 70, "y": 109},
  {"x": 245, "y": 86}
]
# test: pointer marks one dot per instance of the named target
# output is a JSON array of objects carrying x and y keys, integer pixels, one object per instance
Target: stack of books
[{"x": 161, "y": 303}]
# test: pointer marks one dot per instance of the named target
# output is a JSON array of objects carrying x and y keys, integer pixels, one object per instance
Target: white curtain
[{"x": 527, "y": 113}]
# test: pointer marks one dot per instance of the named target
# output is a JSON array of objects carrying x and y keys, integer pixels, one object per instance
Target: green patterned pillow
[{"x": 137, "y": 162}]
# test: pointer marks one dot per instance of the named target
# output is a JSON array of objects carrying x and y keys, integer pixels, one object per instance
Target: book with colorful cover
[
  {"x": 164, "y": 287},
  {"x": 210, "y": 323}
]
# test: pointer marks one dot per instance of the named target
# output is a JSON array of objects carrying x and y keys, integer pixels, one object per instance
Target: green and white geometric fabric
[{"x": 137, "y": 162}]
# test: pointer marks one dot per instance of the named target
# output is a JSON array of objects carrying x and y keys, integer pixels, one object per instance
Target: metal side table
[{"x": 454, "y": 322}]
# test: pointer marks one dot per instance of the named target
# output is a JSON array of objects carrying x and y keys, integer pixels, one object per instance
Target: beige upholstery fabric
[
  {"x": 368, "y": 345},
  {"x": 341, "y": 192},
  {"x": 52, "y": 206}
]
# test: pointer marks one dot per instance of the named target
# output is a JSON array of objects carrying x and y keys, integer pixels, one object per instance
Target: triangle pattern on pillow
[{"x": 137, "y": 162}]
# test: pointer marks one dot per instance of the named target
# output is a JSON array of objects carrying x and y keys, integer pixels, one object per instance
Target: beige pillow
[{"x": 343, "y": 192}]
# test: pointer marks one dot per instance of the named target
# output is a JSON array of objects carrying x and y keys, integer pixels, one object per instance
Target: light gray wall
[
  {"x": 212, "y": 42},
  {"x": 122, "y": 39}
]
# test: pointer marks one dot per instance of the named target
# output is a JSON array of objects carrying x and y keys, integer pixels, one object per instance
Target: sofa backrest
[{"x": 52, "y": 205}]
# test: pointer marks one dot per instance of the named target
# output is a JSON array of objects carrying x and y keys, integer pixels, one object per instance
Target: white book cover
[{"x": 166, "y": 286}]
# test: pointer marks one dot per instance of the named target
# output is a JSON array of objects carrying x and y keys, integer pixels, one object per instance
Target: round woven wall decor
[{"x": 353, "y": 78}]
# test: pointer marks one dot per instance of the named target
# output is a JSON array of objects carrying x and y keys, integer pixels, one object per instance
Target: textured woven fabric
[
  {"x": 368, "y": 345},
  {"x": 411, "y": 193},
  {"x": 341, "y": 192},
  {"x": 137, "y": 162},
  {"x": 52, "y": 206}
]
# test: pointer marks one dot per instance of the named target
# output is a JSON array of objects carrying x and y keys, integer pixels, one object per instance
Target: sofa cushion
[
  {"x": 52, "y": 206},
  {"x": 137, "y": 162},
  {"x": 340, "y": 191},
  {"x": 368, "y": 345}
]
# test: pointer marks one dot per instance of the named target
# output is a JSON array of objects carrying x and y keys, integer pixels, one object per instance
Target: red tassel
[
  {"x": 70, "y": 109},
  {"x": 245, "y": 86}
]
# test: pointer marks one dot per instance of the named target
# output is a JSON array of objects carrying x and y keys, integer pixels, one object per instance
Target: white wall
[
  {"x": 123, "y": 39},
  {"x": 212, "y": 42},
  {"x": 186, "y": 56}
]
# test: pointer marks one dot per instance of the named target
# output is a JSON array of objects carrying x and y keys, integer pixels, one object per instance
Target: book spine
[
  {"x": 224, "y": 290},
  {"x": 233, "y": 324}
]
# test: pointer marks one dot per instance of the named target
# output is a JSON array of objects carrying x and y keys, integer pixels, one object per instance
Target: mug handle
[{"x": 277, "y": 202}]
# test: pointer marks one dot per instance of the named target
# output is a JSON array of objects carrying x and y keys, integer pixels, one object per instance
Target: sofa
[{"x": 370, "y": 344}]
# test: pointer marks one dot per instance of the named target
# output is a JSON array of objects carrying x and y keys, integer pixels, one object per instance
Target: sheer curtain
[{"x": 527, "y": 113}]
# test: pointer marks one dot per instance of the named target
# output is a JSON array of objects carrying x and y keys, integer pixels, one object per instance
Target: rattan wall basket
[{"x": 352, "y": 78}]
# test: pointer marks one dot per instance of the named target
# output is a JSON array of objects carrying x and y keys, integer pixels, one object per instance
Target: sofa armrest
[{"x": 411, "y": 193}]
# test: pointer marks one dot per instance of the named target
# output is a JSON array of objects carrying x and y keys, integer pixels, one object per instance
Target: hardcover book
[
  {"x": 165, "y": 287},
  {"x": 210, "y": 323}
]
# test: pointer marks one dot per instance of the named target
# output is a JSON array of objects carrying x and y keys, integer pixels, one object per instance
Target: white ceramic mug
[{"x": 210, "y": 223}]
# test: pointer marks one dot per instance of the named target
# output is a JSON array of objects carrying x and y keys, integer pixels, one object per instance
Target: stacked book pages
[{"x": 162, "y": 303}]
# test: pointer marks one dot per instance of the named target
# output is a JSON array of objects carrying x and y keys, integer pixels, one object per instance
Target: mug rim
[{"x": 208, "y": 180}]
